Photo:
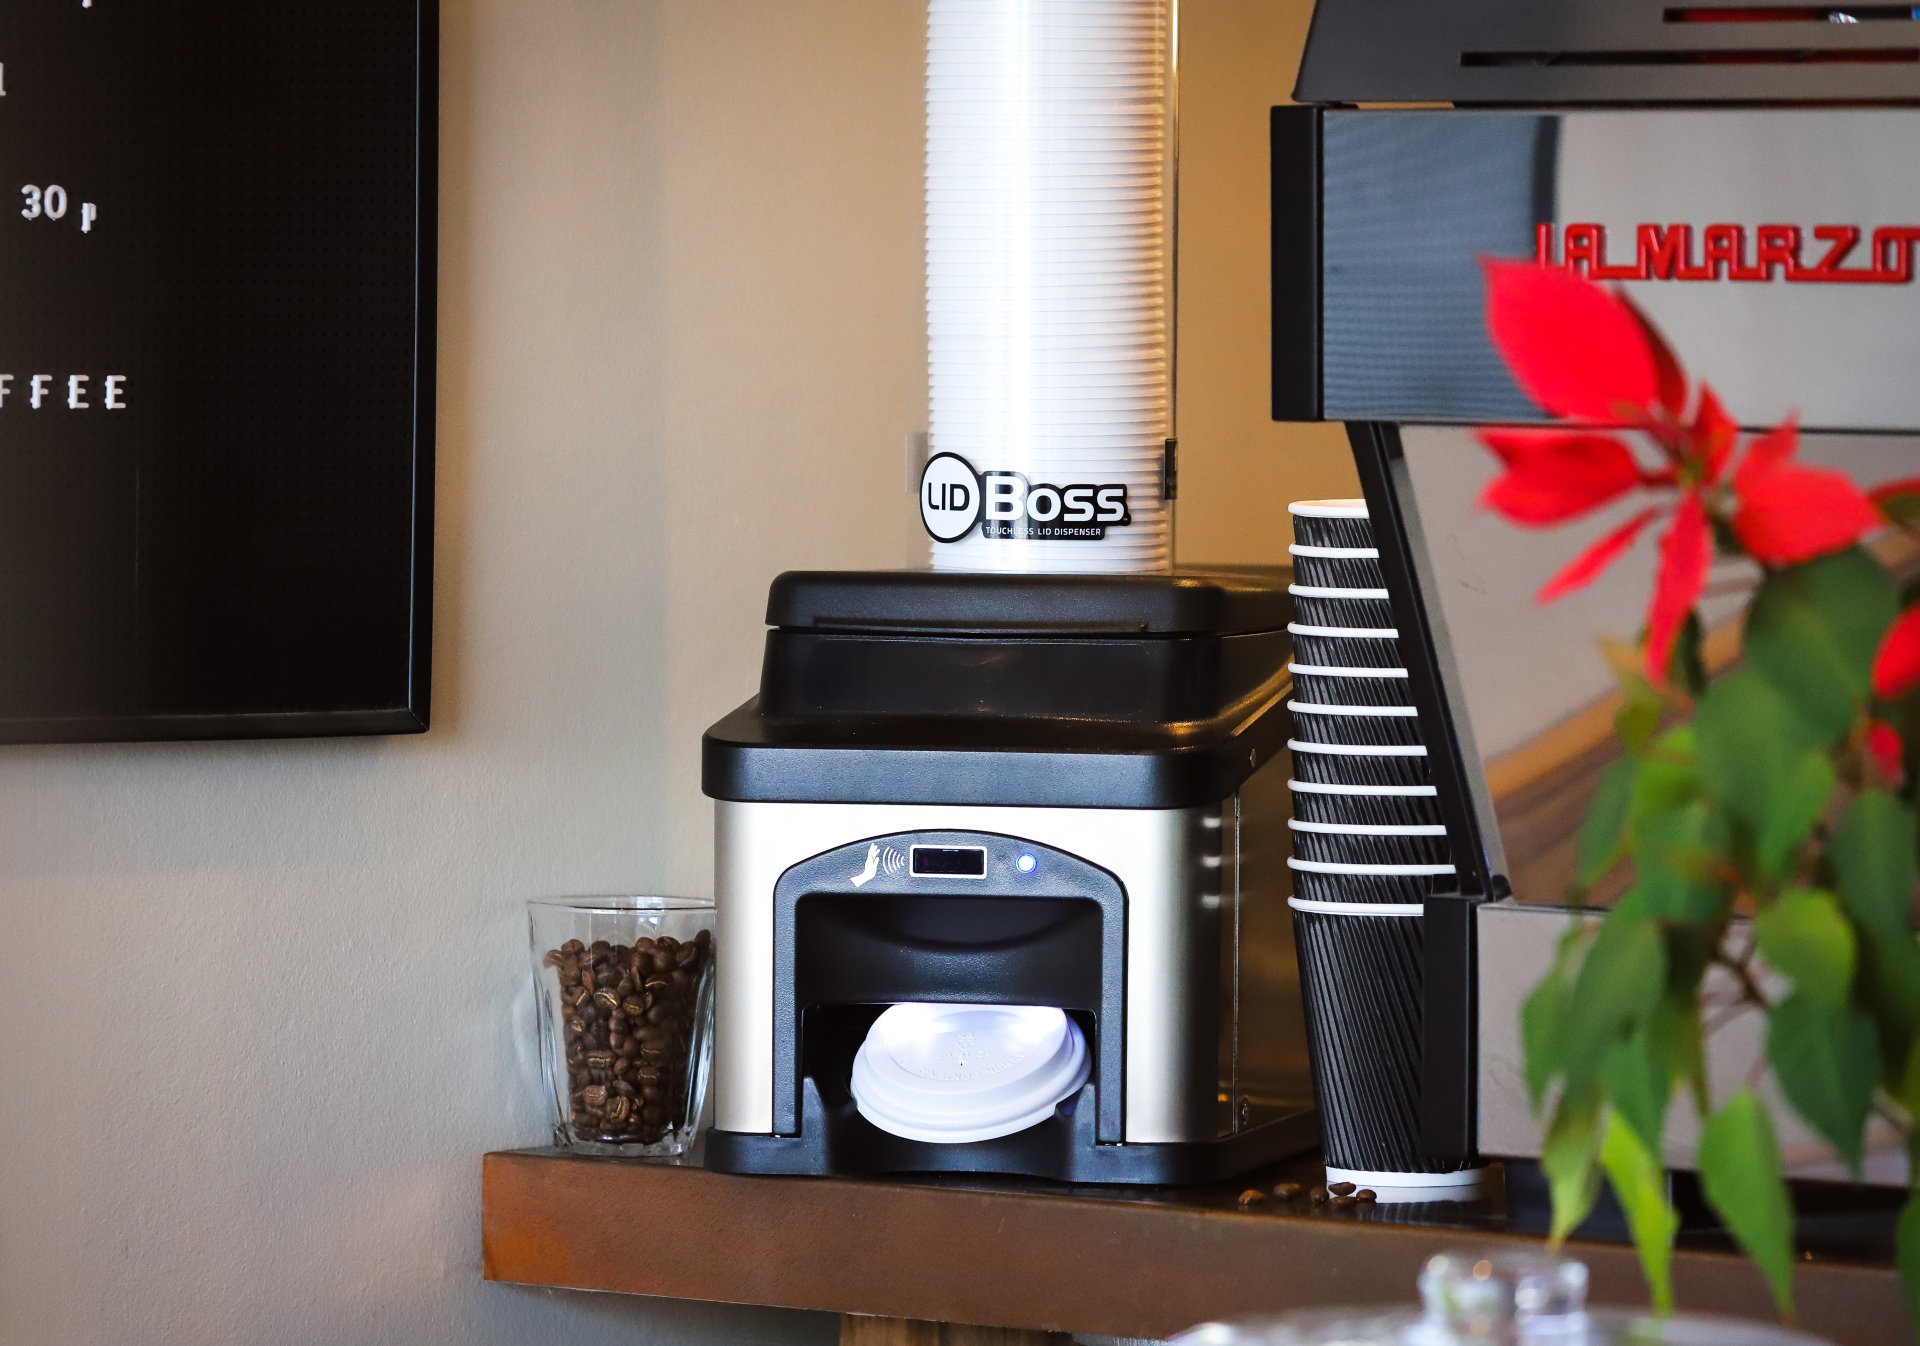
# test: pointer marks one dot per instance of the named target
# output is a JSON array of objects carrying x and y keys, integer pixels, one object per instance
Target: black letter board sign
[{"x": 216, "y": 367}]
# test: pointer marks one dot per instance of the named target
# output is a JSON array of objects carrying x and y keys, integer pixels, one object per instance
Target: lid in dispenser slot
[{"x": 950, "y": 1074}]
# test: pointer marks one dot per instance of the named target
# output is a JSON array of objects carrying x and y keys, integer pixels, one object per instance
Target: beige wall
[
  {"x": 265, "y": 1004},
  {"x": 1238, "y": 469}
]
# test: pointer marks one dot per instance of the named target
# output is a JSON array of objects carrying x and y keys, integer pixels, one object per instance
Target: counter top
[{"x": 1042, "y": 1257}]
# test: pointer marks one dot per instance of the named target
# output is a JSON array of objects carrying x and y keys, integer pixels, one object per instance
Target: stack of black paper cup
[{"x": 1368, "y": 847}]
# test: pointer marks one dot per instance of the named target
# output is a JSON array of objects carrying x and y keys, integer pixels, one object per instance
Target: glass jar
[
  {"x": 1502, "y": 1299},
  {"x": 624, "y": 990}
]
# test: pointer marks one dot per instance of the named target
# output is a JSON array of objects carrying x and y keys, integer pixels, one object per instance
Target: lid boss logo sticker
[{"x": 954, "y": 498}]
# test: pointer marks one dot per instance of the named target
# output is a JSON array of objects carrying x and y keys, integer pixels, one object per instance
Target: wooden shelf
[{"x": 1040, "y": 1257}]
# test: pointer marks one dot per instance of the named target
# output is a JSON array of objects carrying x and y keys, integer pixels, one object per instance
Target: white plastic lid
[{"x": 950, "y": 1074}]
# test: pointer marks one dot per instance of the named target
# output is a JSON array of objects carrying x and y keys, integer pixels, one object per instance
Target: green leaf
[
  {"x": 1827, "y": 1059},
  {"x": 1799, "y": 804},
  {"x": 1568, "y": 1159},
  {"x": 1688, "y": 666},
  {"x": 1813, "y": 631},
  {"x": 1740, "y": 1173},
  {"x": 1676, "y": 1024},
  {"x": 1640, "y": 715},
  {"x": 1806, "y": 936},
  {"x": 1640, "y": 1083},
  {"x": 1907, "y": 1257},
  {"x": 1759, "y": 760},
  {"x": 1544, "y": 1016},
  {"x": 1668, "y": 780},
  {"x": 1603, "y": 831},
  {"x": 1619, "y": 984},
  {"x": 1872, "y": 852},
  {"x": 1638, "y": 1180},
  {"x": 1675, "y": 855},
  {"x": 1873, "y": 857}
]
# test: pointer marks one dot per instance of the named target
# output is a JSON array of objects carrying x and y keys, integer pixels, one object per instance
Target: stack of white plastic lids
[
  {"x": 1047, "y": 262},
  {"x": 951, "y": 1074}
]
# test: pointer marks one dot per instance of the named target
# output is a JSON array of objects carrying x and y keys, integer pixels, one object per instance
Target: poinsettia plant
[{"x": 1763, "y": 820}]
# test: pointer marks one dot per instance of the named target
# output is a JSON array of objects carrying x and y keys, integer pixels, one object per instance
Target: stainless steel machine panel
[{"x": 1783, "y": 273}]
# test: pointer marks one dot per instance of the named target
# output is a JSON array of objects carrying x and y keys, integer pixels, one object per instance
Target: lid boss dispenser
[{"x": 1001, "y": 880}]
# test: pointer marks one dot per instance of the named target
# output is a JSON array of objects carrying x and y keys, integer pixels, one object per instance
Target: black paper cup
[
  {"x": 1331, "y": 523},
  {"x": 1344, "y": 647},
  {"x": 1359, "y": 804},
  {"x": 1350, "y": 687},
  {"x": 1355, "y": 725},
  {"x": 1394, "y": 884},
  {"x": 1337, "y": 567},
  {"x": 1370, "y": 843},
  {"x": 1362, "y": 981},
  {"x": 1363, "y": 608},
  {"x": 1330, "y": 764}
]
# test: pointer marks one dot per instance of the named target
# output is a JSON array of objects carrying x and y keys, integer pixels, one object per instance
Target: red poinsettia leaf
[
  {"x": 1686, "y": 549},
  {"x": 1767, "y": 453},
  {"x": 1896, "y": 668},
  {"x": 1898, "y": 500},
  {"x": 1669, "y": 377},
  {"x": 1711, "y": 437},
  {"x": 1887, "y": 751},
  {"x": 1573, "y": 347},
  {"x": 1794, "y": 513},
  {"x": 1585, "y": 568},
  {"x": 1556, "y": 475}
]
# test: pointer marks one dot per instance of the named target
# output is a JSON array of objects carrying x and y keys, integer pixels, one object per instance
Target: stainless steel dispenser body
[{"x": 1127, "y": 731}]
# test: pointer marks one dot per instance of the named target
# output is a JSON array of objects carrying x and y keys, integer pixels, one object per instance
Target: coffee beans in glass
[{"x": 624, "y": 995}]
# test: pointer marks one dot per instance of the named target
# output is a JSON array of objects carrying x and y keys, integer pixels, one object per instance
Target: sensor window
[{"x": 949, "y": 862}]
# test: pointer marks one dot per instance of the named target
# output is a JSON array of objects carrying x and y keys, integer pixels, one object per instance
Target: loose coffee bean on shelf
[
  {"x": 1340, "y": 1188},
  {"x": 1253, "y": 1196},
  {"x": 627, "y": 1023},
  {"x": 1366, "y": 1194},
  {"x": 1342, "y": 1202},
  {"x": 1287, "y": 1191},
  {"x": 1319, "y": 1195}
]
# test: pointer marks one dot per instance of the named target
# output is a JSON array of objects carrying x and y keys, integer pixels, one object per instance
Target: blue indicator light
[{"x": 1025, "y": 864}]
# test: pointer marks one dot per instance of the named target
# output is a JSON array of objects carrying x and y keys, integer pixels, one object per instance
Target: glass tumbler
[{"x": 624, "y": 989}]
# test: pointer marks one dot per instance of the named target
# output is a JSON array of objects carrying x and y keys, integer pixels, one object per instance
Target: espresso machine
[
  {"x": 1001, "y": 880},
  {"x": 1744, "y": 172}
]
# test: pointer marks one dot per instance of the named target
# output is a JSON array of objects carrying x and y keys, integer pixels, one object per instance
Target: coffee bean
[
  {"x": 1253, "y": 1196},
  {"x": 1287, "y": 1191},
  {"x": 1342, "y": 1201},
  {"x": 1366, "y": 1194},
  {"x": 627, "y": 1020},
  {"x": 1319, "y": 1195},
  {"x": 1340, "y": 1188}
]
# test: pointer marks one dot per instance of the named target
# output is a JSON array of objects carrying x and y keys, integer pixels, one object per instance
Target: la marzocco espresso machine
[
  {"x": 1001, "y": 880},
  {"x": 1746, "y": 172}
]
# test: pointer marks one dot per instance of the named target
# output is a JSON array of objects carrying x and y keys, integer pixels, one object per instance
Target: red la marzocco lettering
[{"x": 1826, "y": 254}]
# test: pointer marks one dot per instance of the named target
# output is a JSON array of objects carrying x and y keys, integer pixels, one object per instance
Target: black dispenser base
[{"x": 835, "y": 1139}]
